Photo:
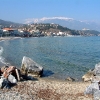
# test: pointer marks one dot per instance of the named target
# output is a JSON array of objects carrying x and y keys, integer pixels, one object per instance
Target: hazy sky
[{"x": 19, "y": 10}]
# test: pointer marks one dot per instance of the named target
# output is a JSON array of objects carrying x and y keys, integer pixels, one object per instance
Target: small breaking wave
[
  {"x": 2, "y": 59},
  {"x": 1, "y": 50}
]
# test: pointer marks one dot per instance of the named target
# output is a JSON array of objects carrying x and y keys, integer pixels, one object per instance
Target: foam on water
[
  {"x": 1, "y": 50},
  {"x": 2, "y": 59}
]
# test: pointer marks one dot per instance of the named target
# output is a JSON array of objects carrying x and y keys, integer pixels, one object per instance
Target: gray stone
[
  {"x": 31, "y": 68},
  {"x": 12, "y": 79},
  {"x": 93, "y": 89},
  {"x": 97, "y": 69}
]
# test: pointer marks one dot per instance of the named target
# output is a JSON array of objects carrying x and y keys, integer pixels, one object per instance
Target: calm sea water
[{"x": 60, "y": 56}]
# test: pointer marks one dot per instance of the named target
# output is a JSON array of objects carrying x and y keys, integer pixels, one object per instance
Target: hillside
[
  {"x": 56, "y": 28},
  {"x": 89, "y": 32},
  {"x": 4, "y": 23}
]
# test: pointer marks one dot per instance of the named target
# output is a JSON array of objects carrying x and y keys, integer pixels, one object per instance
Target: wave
[
  {"x": 2, "y": 59},
  {"x": 1, "y": 50}
]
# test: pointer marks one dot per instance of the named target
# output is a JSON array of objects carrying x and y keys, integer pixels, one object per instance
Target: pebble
[{"x": 46, "y": 90}]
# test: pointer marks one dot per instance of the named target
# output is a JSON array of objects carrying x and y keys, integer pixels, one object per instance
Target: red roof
[{"x": 8, "y": 29}]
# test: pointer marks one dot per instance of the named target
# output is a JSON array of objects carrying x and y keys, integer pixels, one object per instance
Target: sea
[{"x": 60, "y": 57}]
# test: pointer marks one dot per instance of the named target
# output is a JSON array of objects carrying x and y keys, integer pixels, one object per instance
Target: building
[
  {"x": 1, "y": 32},
  {"x": 10, "y": 32}
]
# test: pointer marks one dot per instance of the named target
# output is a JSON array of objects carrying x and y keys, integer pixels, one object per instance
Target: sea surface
[{"x": 60, "y": 56}]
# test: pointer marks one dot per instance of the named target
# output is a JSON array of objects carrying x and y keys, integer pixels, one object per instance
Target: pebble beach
[{"x": 44, "y": 89}]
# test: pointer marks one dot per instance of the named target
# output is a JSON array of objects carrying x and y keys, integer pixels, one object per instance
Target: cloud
[
  {"x": 62, "y": 18},
  {"x": 37, "y": 20}
]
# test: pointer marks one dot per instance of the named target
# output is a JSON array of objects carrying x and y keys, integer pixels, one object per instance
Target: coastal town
[
  {"x": 32, "y": 30},
  {"x": 40, "y": 30}
]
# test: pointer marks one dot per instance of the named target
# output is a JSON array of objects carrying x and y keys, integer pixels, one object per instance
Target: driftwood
[{"x": 17, "y": 73}]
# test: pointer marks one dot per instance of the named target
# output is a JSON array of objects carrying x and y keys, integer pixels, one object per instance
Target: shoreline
[
  {"x": 44, "y": 77},
  {"x": 45, "y": 88},
  {"x": 8, "y": 38}
]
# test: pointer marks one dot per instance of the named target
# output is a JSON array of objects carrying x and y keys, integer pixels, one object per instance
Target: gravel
[{"x": 44, "y": 89}]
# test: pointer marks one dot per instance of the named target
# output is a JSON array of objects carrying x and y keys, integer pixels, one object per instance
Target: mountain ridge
[
  {"x": 9, "y": 23},
  {"x": 66, "y": 22}
]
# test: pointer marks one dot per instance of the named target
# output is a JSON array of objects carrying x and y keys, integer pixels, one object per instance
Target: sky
[{"x": 19, "y": 10}]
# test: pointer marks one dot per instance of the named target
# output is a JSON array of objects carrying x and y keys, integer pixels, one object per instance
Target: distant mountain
[
  {"x": 4, "y": 23},
  {"x": 89, "y": 33},
  {"x": 66, "y": 22}
]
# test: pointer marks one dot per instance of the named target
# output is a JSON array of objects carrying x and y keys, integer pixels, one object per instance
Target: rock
[
  {"x": 1, "y": 82},
  {"x": 4, "y": 83},
  {"x": 93, "y": 89},
  {"x": 95, "y": 79},
  {"x": 88, "y": 76},
  {"x": 12, "y": 79},
  {"x": 70, "y": 79},
  {"x": 31, "y": 68},
  {"x": 97, "y": 69}
]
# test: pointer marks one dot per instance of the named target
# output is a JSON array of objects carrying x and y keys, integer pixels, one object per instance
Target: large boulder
[
  {"x": 31, "y": 68},
  {"x": 93, "y": 89},
  {"x": 88, "y": 76}
]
